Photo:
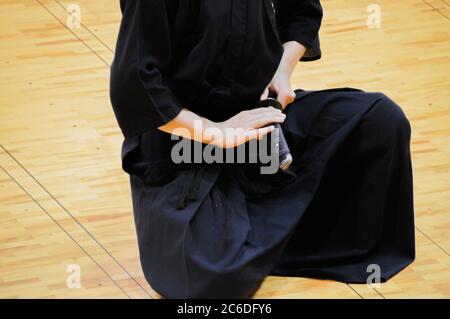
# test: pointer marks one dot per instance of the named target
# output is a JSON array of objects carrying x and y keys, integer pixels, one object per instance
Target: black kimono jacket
[{"x": 194, "y": 54}]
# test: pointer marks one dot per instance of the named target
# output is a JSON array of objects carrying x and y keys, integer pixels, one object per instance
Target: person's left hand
[
  {"x": 281, "y": 87},
  {"x": 280, "y": 84}
]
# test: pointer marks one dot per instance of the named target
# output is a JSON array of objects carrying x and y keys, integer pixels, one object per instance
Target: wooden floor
[{"x": 65, "y": 200}]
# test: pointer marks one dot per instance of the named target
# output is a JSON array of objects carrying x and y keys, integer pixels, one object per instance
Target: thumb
[{"x": 286, "y": 97}]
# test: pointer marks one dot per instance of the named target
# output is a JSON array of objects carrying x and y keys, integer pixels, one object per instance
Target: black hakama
[{"x": 217, "y": 230}]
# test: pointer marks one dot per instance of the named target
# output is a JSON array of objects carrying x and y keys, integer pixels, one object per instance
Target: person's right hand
[
  {"x": 243, "y": 127},
  {"x": 239, "y": 129}
]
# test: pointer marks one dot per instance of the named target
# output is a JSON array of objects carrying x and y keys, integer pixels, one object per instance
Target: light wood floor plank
[{"x": 35, "y": 253}]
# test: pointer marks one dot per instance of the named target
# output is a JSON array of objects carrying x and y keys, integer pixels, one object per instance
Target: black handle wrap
[{"x": 284, "y": 153}]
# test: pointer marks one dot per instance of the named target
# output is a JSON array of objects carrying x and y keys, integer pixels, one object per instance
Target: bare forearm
[
  {"x": 188, "y": 125},
  {"x": 293, "y": 51}
]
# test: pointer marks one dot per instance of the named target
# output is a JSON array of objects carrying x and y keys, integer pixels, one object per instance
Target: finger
[
  {"x": 282, "y": 98},
  {"x": 266, "y": 120},
  {"x": 250, "y": 135},
  {"x": 258, "y": 117},
  {"x": 264, "y": 117},
  {"x": 257, "y": 133},
  {"x": 263, "y": 131},
  {"x": 290, "y": 97},
  {"x": 264, "y": 111},
  {"x": 286, "y": 97},
  {"x": 265, "y": 94}
]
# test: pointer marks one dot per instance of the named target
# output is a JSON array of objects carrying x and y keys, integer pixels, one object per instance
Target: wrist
[{"x": 207, "y": 130}]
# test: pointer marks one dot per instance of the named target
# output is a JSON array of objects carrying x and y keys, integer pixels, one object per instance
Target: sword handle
[{"x": 284, "y": 152}]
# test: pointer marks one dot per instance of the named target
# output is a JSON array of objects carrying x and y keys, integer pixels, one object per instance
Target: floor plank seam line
[
  {"x": 436, "y": 244},
  {"x": 86, "y": 28},
  {"x": 76, "y": 221},
  {"x": 354, "y": 290},
  {"x": 379, "y": 293},
  {"x": 435, "y": 9},
  {"x": 62, "y": 228},
  {"x": 73, "y": 33}
]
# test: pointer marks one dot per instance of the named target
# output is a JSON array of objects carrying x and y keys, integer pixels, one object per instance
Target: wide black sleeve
[
  {"x": 142, "y": 99},
  {"x": 300, "y": 20},
  {"x": 154, "y": 57}
]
